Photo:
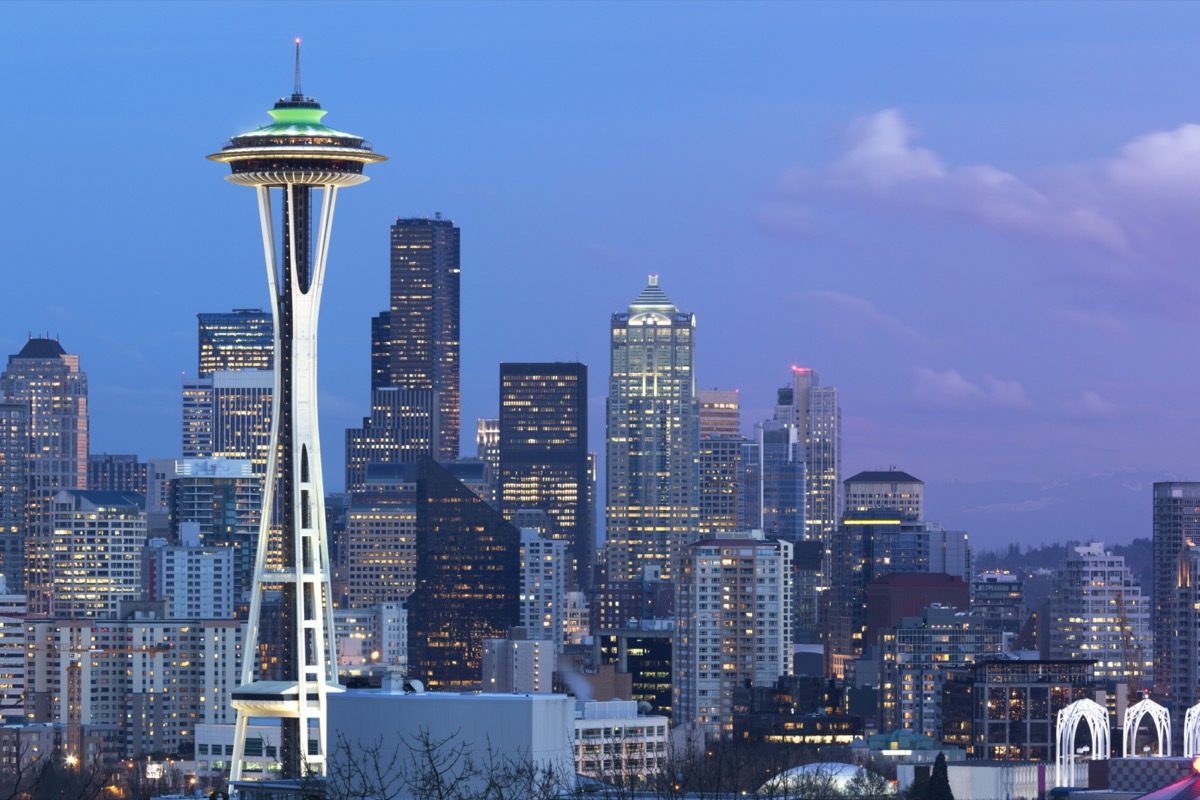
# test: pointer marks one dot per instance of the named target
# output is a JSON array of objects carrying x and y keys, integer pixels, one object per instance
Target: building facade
[
  {"x": 415, "y": 343},
  {"x": 1176, "y": 520},
  {"x": 734, "y": 625},
  {"x": 240, "y": 339},
  {"x": 14, "y": 490},
  {"x": 1097, "y": 612},
  {"x": 652, "y": 436},
  {"x": 96, "y": 552},
  {"x": 543, "y": 455},
  {"x": 467, "y": 582},
  {"x": 47, "y": 380}
]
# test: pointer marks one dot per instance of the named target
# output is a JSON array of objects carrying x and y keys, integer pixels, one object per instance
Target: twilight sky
[{"x": 978, "y": 220}]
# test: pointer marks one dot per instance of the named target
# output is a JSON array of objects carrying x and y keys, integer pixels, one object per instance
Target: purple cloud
[{"x": 949, "y": 389}]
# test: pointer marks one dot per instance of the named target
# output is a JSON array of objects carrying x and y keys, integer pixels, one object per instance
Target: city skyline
[{"x": 1009, "y": 321}]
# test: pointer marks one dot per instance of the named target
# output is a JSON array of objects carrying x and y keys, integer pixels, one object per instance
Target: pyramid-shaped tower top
[{"x": 652, "y": 298}]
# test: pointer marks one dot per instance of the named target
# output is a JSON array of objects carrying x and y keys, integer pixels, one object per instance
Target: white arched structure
[
  {"x": 1191, "y": 732},
  {"x": 1096, "y": 717},
  {"x": 1133, "y": 718}
]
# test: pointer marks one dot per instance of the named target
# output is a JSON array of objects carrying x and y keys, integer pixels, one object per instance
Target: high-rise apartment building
[
  {"x": 1184, "y": 688},
  {"x": 719, "y": 455},
  {"x": 543, "y": 588},
  {"x": 116, "y": 472},
  {"x": 217, "y": 502},
  {"x": 468, "y": 580},
  {"x": 913, "y": 658},
  {"x": 543, "y": 452},
  {"x": 734, "y": 625},
  {"x": 814, "y": 410},
  {"x": 14, "y": 487},
  {"x": 194, "y": 582},
  {"x": 1097, "y": 611},
  {"x": 96, "y": 552},
  {"x": 415, "y": 343},
  {"x": 12, "y": 655},
  {"x": 45, "y": 378},
  {"x": 999, "y": 597},
  {"x": 1176, "y": 522},
  {"x": 652, "y": 436},
  {"x": 889, "y": 488},
  {"x": 232, "y": 340}
]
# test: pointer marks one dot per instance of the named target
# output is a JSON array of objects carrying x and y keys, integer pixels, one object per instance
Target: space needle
[{"x": 285, "y": 162}]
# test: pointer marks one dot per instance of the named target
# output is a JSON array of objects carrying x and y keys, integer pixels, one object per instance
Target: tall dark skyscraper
[
  {"x": 543, "y": 453},
  {"x": 468, "y": 581},
  {"x": 238, "y": 339},
  {"x": 415, "y": 343},
  {"x": 1176, "y": 522},
  {"x": 45, "y": 378}
]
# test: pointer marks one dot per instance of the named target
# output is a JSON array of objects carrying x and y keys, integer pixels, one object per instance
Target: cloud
[
  {"x": 1097, "y": 406},
  {"x": 1135, "y": 210},
  {"x": 862, "y": 311},
  {"x": 1096, "y": 320},
  {"x": 950, "y": 389}
]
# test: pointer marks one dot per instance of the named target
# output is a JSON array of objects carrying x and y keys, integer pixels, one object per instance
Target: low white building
[
  {"x": 616, "y": 745},
  {"x": 518, "y": 665}
]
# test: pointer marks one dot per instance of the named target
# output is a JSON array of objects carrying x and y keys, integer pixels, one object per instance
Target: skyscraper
[
  {"x": 415, "y": 343},
  {"x": 238, "y": 339},
  {"x": 652, "y": 435},
  {"x": 45, "y": 378},
  {"x": 734, "y": 625},
  {"x": 1176, "y": 522},
  {"x": 814, "y": 411},
  {"x": 295, "y": 154},
  {"x": 543, "y": 454},
  {"x": 116, "y": 472},
  {"x": 468, "y": 580},
  {"x": 402, "y": 429},
  {"x": 719, "y": 454},
  {"x": 14, "y": 486}
]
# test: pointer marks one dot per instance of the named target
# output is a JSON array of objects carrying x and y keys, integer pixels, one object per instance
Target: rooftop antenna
[{"x": 296, "y": 92}]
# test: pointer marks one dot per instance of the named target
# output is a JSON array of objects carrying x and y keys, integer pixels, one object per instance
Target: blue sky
[{"x": 976, "y": 219}]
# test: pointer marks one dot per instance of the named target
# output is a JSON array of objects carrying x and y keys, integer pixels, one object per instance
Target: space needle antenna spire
[{"x": 296, "y": 93}]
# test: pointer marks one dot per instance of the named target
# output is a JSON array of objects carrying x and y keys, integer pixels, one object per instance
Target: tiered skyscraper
[
  {"x": 813, "y": 410},
  {"x": 1176, "y": 523},
  {"x": 653, "y": 432},
  {"x": 47, "y": 380},
  {"x": 294, "y": 155},
  {"x": 543, "y": 454},
  {"x": 415, "y": 343}
]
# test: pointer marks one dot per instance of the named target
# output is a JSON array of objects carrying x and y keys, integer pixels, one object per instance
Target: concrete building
[
  {"x": 544, "y": 567},
  {"x": 875, "y": 489},
  {"x": 913, "y": 655},
  {"x": 614, "y": 744},
  {"x": 999, "y": 597},
  {"x": 1097, "y": 612},
  {"x": 151, "y": 679},
  {"x": 532, "y": 732},
  {"x": 195, "y": 582},
  {"x": 380, "y": 560},
  {"x": 374, "y": 636},
  {"x": 652, "y": 434},
  {"x": 96, "y": 552},
  {"x": 12, "y": 655},
  {"x": 734, "y": 625},
  {"x": 518, "y": 665},
  {"x": 228, "y": 415},
  {"x": 215, "y": 503}
]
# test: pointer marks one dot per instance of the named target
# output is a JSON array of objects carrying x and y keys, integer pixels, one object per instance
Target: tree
[{"x": 939, "y": 781}]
